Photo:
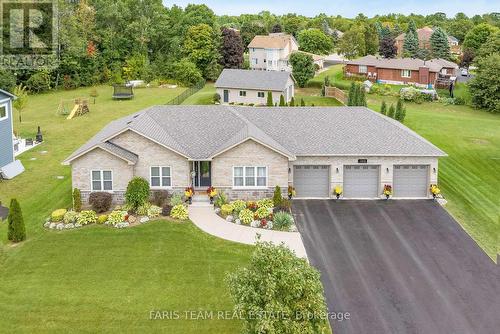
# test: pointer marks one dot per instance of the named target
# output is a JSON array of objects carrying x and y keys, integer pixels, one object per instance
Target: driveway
[{"x": 399, "y": 267}]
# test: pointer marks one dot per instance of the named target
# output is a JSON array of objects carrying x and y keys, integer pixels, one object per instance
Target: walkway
[{"x": 205, "y": 218}]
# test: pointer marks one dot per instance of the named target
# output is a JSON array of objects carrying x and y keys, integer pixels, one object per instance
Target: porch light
[
  {"x": 387, "y": 170},
  {"x": 289, "y": 170},
  {"x": 337, "y": 170},
  {"x": 434, "y": 170}
]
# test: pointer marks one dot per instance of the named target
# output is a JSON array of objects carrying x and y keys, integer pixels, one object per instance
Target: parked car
[{"x": 464, "y": 72}]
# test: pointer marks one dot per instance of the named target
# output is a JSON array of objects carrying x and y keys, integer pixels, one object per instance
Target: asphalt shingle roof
[
  {"x": 253, "y": 79},
  {"x": 201, "y": 132},
  {"x": 434, "y": 65}
]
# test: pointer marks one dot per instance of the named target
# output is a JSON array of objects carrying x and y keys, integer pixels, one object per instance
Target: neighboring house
[
  {"x": 9, "y": 166},
  {"x": 251, "y": 87},
  {"x": 247, "y": 151},
  {"x": 429, "y": 74},
  {"x": 424, "y": 40},
  {"x": 271, "y": 52}
]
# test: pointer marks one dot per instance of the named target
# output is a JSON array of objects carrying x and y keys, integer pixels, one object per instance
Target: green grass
[
  {"x": 313, "y": 96},
  {"x": 99, "y": 279},
  {"x": 203, "y": 96},
  {"x": 468, "y": 177}
]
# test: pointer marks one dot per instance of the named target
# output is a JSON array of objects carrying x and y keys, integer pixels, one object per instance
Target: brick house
[
  {"x": 428, "y": 74},
  {"x": 424, "y": 37}
]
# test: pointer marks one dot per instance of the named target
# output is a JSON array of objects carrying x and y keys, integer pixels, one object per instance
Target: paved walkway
[{"x": 205, "y": 218}]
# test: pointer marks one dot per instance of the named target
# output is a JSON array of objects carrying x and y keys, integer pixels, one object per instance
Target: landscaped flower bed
[{"x": 259, "y": 214}]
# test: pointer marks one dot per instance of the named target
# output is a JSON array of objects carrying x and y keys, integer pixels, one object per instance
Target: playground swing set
[{"x": 80, "y": 107}]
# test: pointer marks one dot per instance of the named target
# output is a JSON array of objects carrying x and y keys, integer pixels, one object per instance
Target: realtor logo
[{"x": 28, "y": 38}]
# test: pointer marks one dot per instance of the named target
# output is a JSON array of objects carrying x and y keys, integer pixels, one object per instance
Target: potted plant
[
  {"x": 291, "y": 192},
  {"x": 211, "y": 192},
  {"x": 189, "y": 192},
  {"x": 387, "y": 191},
  {"x": 337, "y": 191},
  {"x": 435, "y": 191}
]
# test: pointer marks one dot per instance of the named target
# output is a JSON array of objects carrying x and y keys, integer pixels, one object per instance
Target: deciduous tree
[
  {"x": 302, "y": 67},
  {"x": 201, "y": 46},
  {"x": 315, "y": 41},
  {"x": 485, "y": 86},
  {"x": 388, "y": 47},
  {"x": 231, "y": 49}
]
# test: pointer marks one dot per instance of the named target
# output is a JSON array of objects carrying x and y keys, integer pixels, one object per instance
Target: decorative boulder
[
  {"x": 143, "y": 220},
  {"x": 255, "y": 223},
  {"x": 132, "y": 219},
  {"x": 229, "y": 218},
  {"x": 60, "y": 226},
  {"x": 217, "y": 210},
  {"x": 52, "y": 225},
  {"x": 293, "y": 228},
  {"x": 269, "y": 225},
  {"x": 68, "y": 226},
  {"x": 237, "y": 222},
  {"x": 78, "y": 225},
  {"x": 46, "y": 225}
]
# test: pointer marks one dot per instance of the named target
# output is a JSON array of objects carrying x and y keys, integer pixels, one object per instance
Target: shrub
[
  {"x": 102, "y": 219},
  {"x": 265, "y": 203},
  {"x": 226, "y": 209},
  {"x": 238, "y": 205},
  {"x": 87, "y": 217},
  {"x": 165, "y": 211},
  {"x": 57, "y": 215},
  {"x": 38, "y": 82},
  {"x": 16, "y": 230},
  {"x": 277, "y": 198},
  {"x": 154, "y": 211},
  {"x": 282, "y": 220},
  {"x": 137, "y": 192},
  {"x": 285, "y": 205},
  {"x": 179, "y": 212},
  {"x": 143, "y": 209},
  {"x": 262, "y": 212},
  {"x": 100, "y": 201},
  {"x": 70, "y": 217},
  {"x": 246, "y": 216},
  {"x": 288, "y": 283},
  {"x": 220, "y": 199},
  {"x": 410, "y": 94},
  {"x": 176, "y": 200},
  {"x": 160, "y": 197},
  {"x": 117, "y": 217},
  {"x": 216, "y": 98},
  {"x": 77, "y": 200}
]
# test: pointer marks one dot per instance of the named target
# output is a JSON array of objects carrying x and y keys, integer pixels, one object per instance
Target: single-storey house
[
  {"x": 247, "y": 151},
  {"x": 400, "y": 71},
  {"x": 9, "y": 166},
  {"x": 250, "y": 87}
]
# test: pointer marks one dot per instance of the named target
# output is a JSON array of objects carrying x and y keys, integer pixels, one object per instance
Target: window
[
  {"x": 260, "y": 94},
  {"x": 249, "y": 176},
  {"x": 363, "y": 69},
  {"x": 3, "y": 112},
  {"x": 243, "y": 93},
  {"x": 406, "y": 73},
  {"x": 255, "y": 61},
  {"x": 160, "y": 177},
  {"x": 102, "y": 180}
]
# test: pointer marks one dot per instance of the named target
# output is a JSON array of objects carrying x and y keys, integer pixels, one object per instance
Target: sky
[{"x": 346, "y": 8}]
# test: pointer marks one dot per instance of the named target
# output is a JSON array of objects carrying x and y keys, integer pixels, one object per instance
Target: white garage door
[
  {"x": 410, "y": 180},
  {"x": 361, "y": 181},
  {"x": 311, "y": 180}
]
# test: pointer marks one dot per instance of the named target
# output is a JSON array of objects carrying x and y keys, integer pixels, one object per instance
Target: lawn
[
  {"x": 203, "y": 96},
  {"x": 98, "y": 279}
]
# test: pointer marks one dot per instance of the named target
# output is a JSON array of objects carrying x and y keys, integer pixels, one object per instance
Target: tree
[
  {"x": 410, "y": 44},
  {"x": 22, "y": 99},
  {"x": 391, "y": 111},
  {"x": 315, "y": 41},
  {"x": 201, "y": 46},
  {"x": 292, "y": 102},
  {"x": 7, "y": 80},
  {"x": 383, "y": 108},
  {"x": 399, "y": 110},
  {"x": 302, "y": 103},
  {"x": 485, "y": 86},
  {"x": 491, "y": 46},
  {"x": 77, "y": 200},
  {"x": 352, "y": 44},
  {"x": 371, "y": 39},
  {"x": 277, "y": 197},
  {"x": 186, "y": 73},
  {"x": 231, "y": 49},
  {"x": 137, "y": 192},
  {"x": 16, "y": 229},
  {"x": 276, "y": 28},
  {"x": 466, "y": 58},
  {"x": 276, "y": 282},
  {"x": 302, "y": 67},
  {"x": 388, "y": 47},
  {"x": 292, "y": 24},
  {"x": 250, "y": 29},
  {"x": 282, "y": 101},
  {"x": 270, "y": 99},
  {"x": 352, "y": 96},
  {"x": 478, "y": 35},
  {"x": 361, "y": 96},
  {"x": 440, "y": 48}
]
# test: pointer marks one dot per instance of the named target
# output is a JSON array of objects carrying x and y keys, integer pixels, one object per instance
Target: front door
[
  {"x": 226, "y": 96},
  {"x": 202, "y": 174}
]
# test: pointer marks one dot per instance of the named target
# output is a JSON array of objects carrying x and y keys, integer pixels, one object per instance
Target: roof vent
[
  {"x": 129, "y": 122},
  {"x": 135, "y": 116}
]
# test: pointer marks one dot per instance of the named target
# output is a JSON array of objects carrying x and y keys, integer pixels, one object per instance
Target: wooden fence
[
  {"x": 187, "y": 93},
  {"x": 336, "y": 93}
]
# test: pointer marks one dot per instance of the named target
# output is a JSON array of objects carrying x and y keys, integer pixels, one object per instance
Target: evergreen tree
[
  {"x": 410, "y": 42},
  {"x": 16, "y": 230},
  {"x": 282, "y": 101},
  {"x": 292, "y": 102},
  {"x": 77, "y": 200},
  {"x": 403, "y": 115},
  {"x": 383, "y": 108},
  {"x": 302, "y": 103},
  {"x": 361, "y": 96},
  {"x": 439, "y": 44},
  {"x": 391, "y": 111},
  {"x": 351, "y": 98},
  {"x": 399, "y": 110},
  {"x": 277, "y": 197},
  {"x": 270, "y": 99}
]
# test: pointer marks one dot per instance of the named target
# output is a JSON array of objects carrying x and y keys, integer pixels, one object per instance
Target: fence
[
  {"x": 336, "y": 93},
  {"x": 187, "y": 93}
]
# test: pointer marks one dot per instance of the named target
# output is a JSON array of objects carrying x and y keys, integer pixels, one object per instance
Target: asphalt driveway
[{"x": 399, "y": 267}]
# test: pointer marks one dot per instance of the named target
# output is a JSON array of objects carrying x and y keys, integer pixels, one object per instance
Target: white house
[{"x": 271, "y": 52}]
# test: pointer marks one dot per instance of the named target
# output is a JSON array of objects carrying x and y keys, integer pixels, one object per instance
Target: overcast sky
[{"x": 346, "y": 8}]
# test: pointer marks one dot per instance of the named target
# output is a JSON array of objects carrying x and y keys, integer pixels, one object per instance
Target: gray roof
[
  {"x": 119, "y": 151},
  {"x": 202, "y": 132},
  {"x": 253, "y": 79},
  {"x": 434, "y": 65}
]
